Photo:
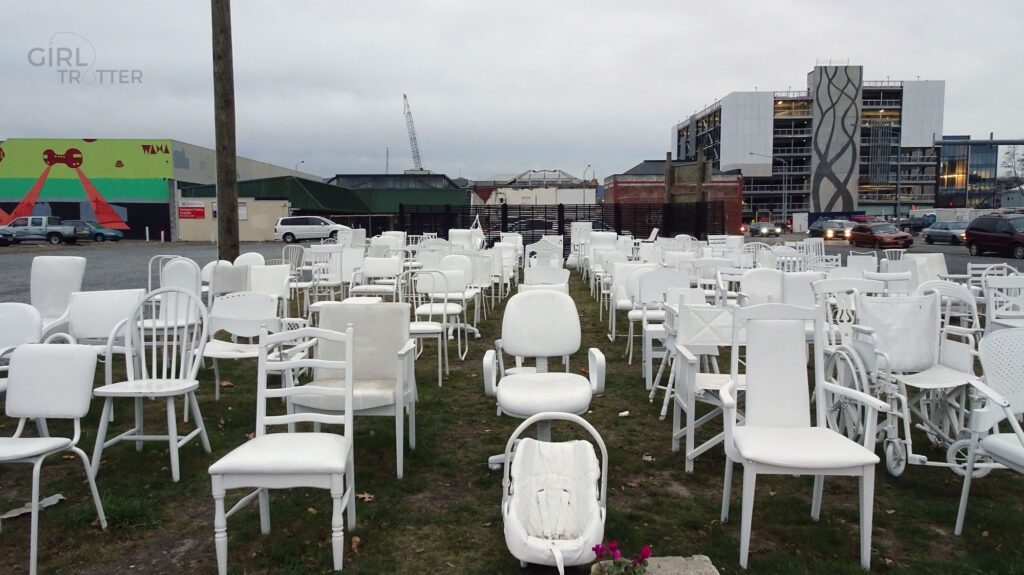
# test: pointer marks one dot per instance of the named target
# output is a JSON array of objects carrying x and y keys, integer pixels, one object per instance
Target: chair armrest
[
  {"x": 862, "y": 329},
  {"x": 410, "y": 346},
  {"x": 727, "y": 395},
  {"x": 490, "y": 373},
  {"x": 957, "y": 278},
  {"x": 991, "y": 394},
  {"x": 60, "y": 336},
  {"x": 858, "y": 396},
  {"x": 58, "y": 325},
  {"x": 959, "y": 330},
  {"x": 596, "y": 365}
]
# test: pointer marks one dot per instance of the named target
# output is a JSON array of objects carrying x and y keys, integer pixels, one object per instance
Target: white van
[{"x": 296, "y": 228}]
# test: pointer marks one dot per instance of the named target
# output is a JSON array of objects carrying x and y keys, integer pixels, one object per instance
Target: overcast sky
[{"x": 495, "y": 87}]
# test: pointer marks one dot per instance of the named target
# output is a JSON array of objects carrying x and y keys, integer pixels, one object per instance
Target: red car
[{"x": 879, "y": 235}]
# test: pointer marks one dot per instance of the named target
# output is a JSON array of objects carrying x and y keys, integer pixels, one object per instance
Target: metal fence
[{"x": 533, "y": 221}]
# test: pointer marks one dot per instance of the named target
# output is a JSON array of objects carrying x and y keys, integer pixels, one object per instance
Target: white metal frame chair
[
  {"x": 49, "y": 382},
  {"x": 1003, "y": 395},
  {"x": 288, "y": 460},
  {"x": 377, "y": 277},
  {"x": 163, "y": 356},
  {"x": 553, "y": 495},
  {"x": 777, "y": 437},
  {"x": 432, "y": 324}
]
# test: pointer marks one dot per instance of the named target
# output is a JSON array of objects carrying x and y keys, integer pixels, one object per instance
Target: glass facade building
[{"x": 967, "y": 175}]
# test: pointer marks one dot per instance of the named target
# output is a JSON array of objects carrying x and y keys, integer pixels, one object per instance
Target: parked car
[
  {"x": 765, "y": 229},
  {"x": 879, "y": 235},
  {"x": 1003, "y": 233},
  {"x": 94, "y": 231},
  {"x": 830, "y": 229},
  {"x": 297, "y": 228},
  {"x": 913, "y": 225},
  {"x": 7, "y": 237},
  {"x": 44, "y": 228},
  {"x": 952, "y": 233}
]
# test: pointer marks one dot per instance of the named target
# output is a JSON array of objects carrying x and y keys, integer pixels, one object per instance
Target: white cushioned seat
[
  {"x": 424, "y": 327},
  {"x": 439, "y": 309},
  {"x": 369, "y": 393},
  {"x": 657, "y": 315},
  {"x": 147, "y": 387},
  {"x": 807, "y": 447},
  {"x": 1003, "y": 446},
  {"x": 716, "y": 381},
  {"x": 526, "y": 394},
  {"x": 373, "y": 289},
  {"x": 12, "y": 448},
  {"x": 220, "y": 349},
  {"x": 289, "y": 453}
]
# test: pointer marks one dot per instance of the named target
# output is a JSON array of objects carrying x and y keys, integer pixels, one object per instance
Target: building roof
[
  {"x": 657, "y": 168},
  {"x": 394, "y": 181},
  {"x": 544, "y": 178},
  {"x": 303, "y": 194}
]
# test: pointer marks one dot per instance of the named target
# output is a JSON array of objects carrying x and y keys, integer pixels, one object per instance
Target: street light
[
  {"x": 299, "y": 164},
  {"x": 785, "y": 188}
]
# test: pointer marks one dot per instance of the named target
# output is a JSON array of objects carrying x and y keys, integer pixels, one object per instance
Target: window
[
  {"x": 53, "y": 221},
  {"x": 1003, "y": 227},
  {"x": 20, "y": 223},
  {"x": 938, "y": 226},
  {"x": 983, "y": 225},
  {"x": 1018, "y": 224},
  {"x": 884, "y": 229}
]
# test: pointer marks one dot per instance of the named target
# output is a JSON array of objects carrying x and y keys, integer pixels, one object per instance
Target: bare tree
[{"x": 1013, "y": 161}]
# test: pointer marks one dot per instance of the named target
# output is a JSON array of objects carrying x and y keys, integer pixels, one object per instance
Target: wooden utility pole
[{"x": 224, "y": 121}]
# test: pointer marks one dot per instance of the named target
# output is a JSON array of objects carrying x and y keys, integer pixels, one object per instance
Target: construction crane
[{"x": 412, "y": 134}]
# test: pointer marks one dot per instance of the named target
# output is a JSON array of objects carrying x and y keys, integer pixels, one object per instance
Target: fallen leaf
[
  {"x": 250, "y": 435},
  {"x": 771, "y": 493},
  {"x": 633, "y": 483},
  {"x": 365, "y": 496},
  {"x": 226, "y": 383},
  {"x": 488, "y": 524},
  {"x": 648, "y": 457},
  {"x": 311, "y": 510},
  {"x": 890, "y": 511},
  {"x": 68, "y": 457},
  {"x": 356, "y": 542},
  {"x": 984, "y": 533},
  {"x": 420, "y": 550}
]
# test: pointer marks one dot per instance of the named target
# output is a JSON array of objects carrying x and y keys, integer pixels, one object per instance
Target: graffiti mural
[{"x": 835, "y": 156}]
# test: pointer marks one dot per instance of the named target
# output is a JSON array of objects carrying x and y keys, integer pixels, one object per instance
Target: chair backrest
[
  {"x": 380, "y": 331},
  {"x": 845, "y": 273},
  {"x": 540, "y": 323},
  {"x": 896, "y": 283},
  {"x": 1004, "y": 297},
  {"x": 603, "y": 241},
  {"x": 957, "y": 301},
  {"x": 206, "y": 273},
  {"x": 53, "y": 280},
  {"x": 907, "y": 329},
  {"x": 270, "y": 362},
  {"x": 545, "y": 275},
  {"x": 358, "y": 237},
  {"x": 19, "y": 323},
  {"x": 182, "y": 273},
  {"x": 381, "y": 267},
  {"x": 1003, "y": 364},
  {"x": 930, "y": 267},
  {"x": 894, "y": 254},
  {"x": 458, "y": 262},
  {"x": 776, "y": 363},
  {"x": 797, "y": 288},
  {"x": 864, "y": 263},
  {"x": 835, "y": 296},
  {"x": 397, "y": 234},
  {"x": 270, "y": 280},
  {"x": 93, "y": 315},
  {"x": 295, "y": 256},
  {"x": 685, "y": 296},
  {"x": 815, "y": 246},
  {"x": 822, "y": 263},
  {"x": 227, "y": 278},
  {"x": 50, "y": 381},
  {"x": 464, "y": 239},
  {"x": 632, "y": 283},
  {"x": 904, "y": 265},
  {"x": 785, "y": 251},
  {"x": 244, "y": 314},
  {"x": 653, "y": 285},
  {"x": 790, "y": 263},
  {"x": 250, "y": 259},
  {"x": 704, "y": 325},
  {"x": 170, "y": 345},
  {"x": 430, "y": 258},
  {"x": 762, "y": 285}
]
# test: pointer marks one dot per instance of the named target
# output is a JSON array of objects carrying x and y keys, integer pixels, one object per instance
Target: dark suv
[{"x": 1003, "y": 233}]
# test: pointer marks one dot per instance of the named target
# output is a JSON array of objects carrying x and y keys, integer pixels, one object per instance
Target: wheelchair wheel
[
  {"x": 956, "y": 456},
  {"x": 845, "y": 416},
  {"x": 895, "y": 457}
]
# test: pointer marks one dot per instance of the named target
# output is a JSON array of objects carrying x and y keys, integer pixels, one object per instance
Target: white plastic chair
[
  {"x": 896, "y": 283},
  {"x": 272, "y": 280},
  {"x": 553, "y": 496},
  {"x": 760, "y": 285},
  {"x": 1003, "y": 364},
  {"x": 1004, "y": 302},
  {"x": 288, "y": 460},
  {"x": 777, "y": 437},
  {"x": 20, "y": 323},
  {"x": 53, "y": 280},
  {"x": 239, "y": 314},
  {"x": 163, "y": 356},
  {"x": 384, "y": 379},
  {"x": 865, "y": 262},
  {"x": 48, "y": 382},
  {"x": 652, "y": 290},
  {"x": 250, "y": 259}
]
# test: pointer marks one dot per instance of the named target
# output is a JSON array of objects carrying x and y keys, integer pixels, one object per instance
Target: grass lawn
[{"x": 444, "y": 516}]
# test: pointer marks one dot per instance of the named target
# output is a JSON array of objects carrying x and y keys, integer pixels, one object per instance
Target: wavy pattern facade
[{"x": 836, "y": 141}]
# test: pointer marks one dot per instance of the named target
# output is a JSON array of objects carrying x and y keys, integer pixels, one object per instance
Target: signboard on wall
[
  {"x": 191, "y": 210},
  {"x": 243, "y": 211}
]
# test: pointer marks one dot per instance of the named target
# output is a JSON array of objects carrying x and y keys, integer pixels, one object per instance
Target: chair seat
[
  {"x": 368, "y": 394},
  {"x": 525, "y": 394},
  {"x": 372, "y": 289},
  {"x": 219, "y": 349},
  {"x": 147, "y": 388},
  {"x": 14, "y": 448},
  {"x": 656, "y": 315},
  {"x": 1010, "y": 322},
  {"x": 300, "y": 284},
  {"x": 800, "y": 447},
  {"x": 438, "y": 309},
  {"x": 425, "y": 328},
  {"x": 936, "y": 377},
  {"x": 457, "y": 296},
  {"x": 287, "y": 453},
  {"x": 716, "y": 381},
  {"x": 1003, "y": 446}
]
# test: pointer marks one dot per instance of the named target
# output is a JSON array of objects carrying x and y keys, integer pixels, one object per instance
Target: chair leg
[
  {"x": 172, "y": 438},
  {"x": 92, "y": 486},
  {"x": 216, "y": 380},
  {"x": 691, "y": 431},
  {"x": 337, "y": 526},
  {"x": 399, "y": 438},
  {"x": 819, "y": 486},
  {"x": 440, "y": 363},
  {"x": 749, "y": 482},
  {"x": 867, "y": 509},
  {"x": 203, "y": 437},
  {"x": 220, "y": 525},
  {"x": 33, "y": 552},
  {"x": 42, "y": 428},
  {"x": 350, "y": 485},
  {"x": 101, "y": 436},
  {"x": 677, "y": 414},
  {"x": 726, "y": 489},
  {"x": 972, "y": 456},
  {"x": 412, "y": 424},
  {"x": 265, "y": 511},
  {"x": 138, "y": 421}
]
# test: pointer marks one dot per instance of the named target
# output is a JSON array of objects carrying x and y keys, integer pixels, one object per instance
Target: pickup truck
[{"x": 45, "y": 228}]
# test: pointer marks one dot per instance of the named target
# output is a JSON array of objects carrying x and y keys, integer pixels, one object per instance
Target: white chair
[
  {"x": 1003, "y": 364},
  {"x": 94, "y": 318},
  {"x": 797, "y": 289},
  {"x": 905, "y": 265},
  {"x": 250, "y": 259},
  {"x": 618, "y": 296},
  {"x": 239, "y": 314},
  {"x": 894, "y": 255},
  {"x": 20, "y": 323},
  {"x": 436, "y": 303},
  {"x": 288, "y": 460},
  {"x": 777, "y": 437},
  {"x": 957, "y": 303},
  {"x": 48, "y": 382},
  {"x": 541, "y": 324},
  {"x": 553, "y": 496},
  {"x": 432, "y": 324},
  {"x": 652, "y": 293},
  {"x": 378, "y": 277},
  {"x": 468, "y": 294},
  {"x": 760, "y": 285},
  {"x": 1004, "y": 302},
  {"x": 896, "y": 283},
  {"x": 845, "y": 273},
  {"x": 865, "y": 262},
  {"x": 384, "y": 378},
  {"x": 272, "y": 280},
  {"x": 53, "y": 280},
  {"x": 930, "y": 267},
  {"x": 163, "y": 356}
]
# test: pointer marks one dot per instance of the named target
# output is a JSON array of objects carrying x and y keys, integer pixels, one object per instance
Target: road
[{"x": 124, "y": 264}]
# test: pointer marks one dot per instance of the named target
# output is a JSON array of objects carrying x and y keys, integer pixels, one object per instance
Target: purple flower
[
  {"x": 616, "y": 554},
  {"x": 613, "y": 545},
  {"x": 645, "y": 552},
  {"x": 598, "y": 550}
]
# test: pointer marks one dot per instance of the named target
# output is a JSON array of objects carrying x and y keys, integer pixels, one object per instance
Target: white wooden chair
[
  {"x": 48, "y": 382},
  {"x": 777, "y": 437},
  {"x": 289, "y": 460}
]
